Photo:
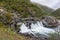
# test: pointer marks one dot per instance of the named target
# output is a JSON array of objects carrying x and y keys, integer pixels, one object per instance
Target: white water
[
  {"x": 54, "y": 4},
  {"x": 36, "y": 28}
]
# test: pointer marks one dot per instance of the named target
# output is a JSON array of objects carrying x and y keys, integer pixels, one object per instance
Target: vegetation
[
  {"x": 56, "y": 13},
  {"x": 8, "y": 34},
  {"x": 21, "y": 6},
  {"x": 54, "y": 36},
  {"x": 25, "y": 9},
  {"x": 45, "y": 8}
]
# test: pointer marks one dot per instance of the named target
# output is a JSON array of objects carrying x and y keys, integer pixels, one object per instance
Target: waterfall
[{"x": 36, "y": 28}]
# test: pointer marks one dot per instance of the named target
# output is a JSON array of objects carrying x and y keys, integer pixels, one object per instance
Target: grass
[
  {"x": 21, "y": 7},
  {"x": 54, "y": 37},
  {"x": 56, "y": 13},
  {"x": 7, "y": 34}
]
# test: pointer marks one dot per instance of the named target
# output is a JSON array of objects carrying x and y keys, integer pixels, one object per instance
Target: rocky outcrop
[{"x": 50, "y": 21}]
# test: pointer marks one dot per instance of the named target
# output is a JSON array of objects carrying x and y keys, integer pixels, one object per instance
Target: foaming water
[{"x": 36, "y": 28}]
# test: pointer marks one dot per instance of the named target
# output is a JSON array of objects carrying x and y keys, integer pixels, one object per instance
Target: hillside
[
  {"x": 56, "y": 13},
  {"x": 12, "y": 11},
  {"x": 44, "y": 8},
  {"x": 22, "y": 7}
]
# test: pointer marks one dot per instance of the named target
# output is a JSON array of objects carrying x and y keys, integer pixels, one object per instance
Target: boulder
[{"x": 50, "y": 21}]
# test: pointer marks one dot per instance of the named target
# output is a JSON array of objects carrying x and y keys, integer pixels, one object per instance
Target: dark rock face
[{"x": 50, "y": 21}]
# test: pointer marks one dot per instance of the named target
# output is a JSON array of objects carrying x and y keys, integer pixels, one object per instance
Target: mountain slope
[
  {"x": 47, "y": 9},
  {"x": 22, "y": 7},
  {"x": 44, "y": 8},
  {"x": 16, "y": 9},
  {"x": 56, "y": 13},
  {"x": 12, "y": 10}
]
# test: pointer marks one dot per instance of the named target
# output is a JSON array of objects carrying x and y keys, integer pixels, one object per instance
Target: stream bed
[{"x": 38, "y": 30}]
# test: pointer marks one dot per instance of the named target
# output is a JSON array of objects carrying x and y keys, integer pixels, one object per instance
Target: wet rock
[
  {"x": 50, "y": 21},
  {"x": 29, "y": 21}
]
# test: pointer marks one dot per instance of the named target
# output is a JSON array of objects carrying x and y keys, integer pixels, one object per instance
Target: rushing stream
[{"x": 36, "y": 28}]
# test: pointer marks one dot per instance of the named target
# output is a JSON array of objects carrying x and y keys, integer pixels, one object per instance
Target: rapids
[{"x": 37, "y": 28}]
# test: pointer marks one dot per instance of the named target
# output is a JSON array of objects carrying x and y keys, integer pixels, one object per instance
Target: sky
[{"x": 54, "y": 4}]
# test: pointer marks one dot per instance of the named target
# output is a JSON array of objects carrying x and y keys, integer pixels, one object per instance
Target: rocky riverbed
[{"x": 39, "y": 30}]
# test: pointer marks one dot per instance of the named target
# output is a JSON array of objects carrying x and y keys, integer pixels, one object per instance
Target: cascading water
[{"x": 36, "y": 28}]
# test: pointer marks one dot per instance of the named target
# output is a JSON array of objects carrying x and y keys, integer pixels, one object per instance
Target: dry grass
[{"x": 7, "y": 34}]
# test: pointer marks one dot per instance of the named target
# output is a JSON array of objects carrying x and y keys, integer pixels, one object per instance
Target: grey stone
[{"x": 50, "y": 21}]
